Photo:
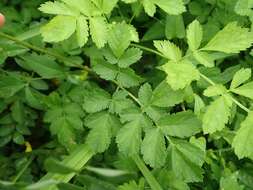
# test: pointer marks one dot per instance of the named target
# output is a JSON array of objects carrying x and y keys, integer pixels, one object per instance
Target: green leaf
[
  {"x": 44, "y": 66},
  {"x": 244, "y": 7},
  {"x": 132, "y": 185},
  {"x": 204, "y": 58},
  {"x": 245, "y": 90},
  {"x": 131, "y": 56},
  {"x": 98, "y": 31},
  {"x": 243, "y": 140},
  {"x": 102, "y": 125},
  {"x": 149, "y": 7},
  {"x": 153, "y": 148},
  {"x": 194, "y": 35},
  {"x": 180, "y": 75},
  {"x": 105, "y": 70},
  {"x": 95, "y": 99},
  {"x": 174, "y": 27},
  {"x": 57, "y": 8},
  {"x": 131, "y": 130},
  {"x": 181, "y": 124},
  {"x": 175, "y": 7},
  {"x": 105, "y": 6},
  {"x": 59, "y": 28},
  {"x": 86, "y": 7},
  {"x": 215, "y": 90},
  {"x": 82, "y": 31},
  {"x": 216, "y": 115},
  {"x": 55, "y": 166},
  {"x": 65, "y": 122},
  {"x": 169, "y": 50},
  {"x": 145, "y": 94},
  {"x": 186, "y": 161},
  {"x": 127, "y": 78},
  {"x": 10, "y": 85},
  {"x": 230, "y": 182},
  {"x": 164, "y": 96},
  {"x": 119, "y": 38},
  {"x": 240, "y": 77},
  {"x": 232, "y": 39}
]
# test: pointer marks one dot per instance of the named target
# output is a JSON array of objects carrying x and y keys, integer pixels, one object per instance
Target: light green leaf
[
  {"x": 149, "y": 7},
  {"x": 119, "y": 38},
  {"x": 105, "y": 70},
  {"x": 180, "y": 75},
  {"x": 132, "y": 185},
  {"x": 243, "y": 141},
  {"x": 102, "y": 125},
  {"x": 127, "y": 78},
  {"x": 145, "y": 94},
  {"x": 82, "y": 31},
  {"x": 174, "y": 27},
  {"x": 57, "y": 8},
  {"x": 181, "y": 124},
  {"x": 240, "y": 77},
  {"x": 59, "y": 28},
  {"x": 244, "y": 7},
  {"x": 186, "y": 161},
  {"x": 174, "y": 7},
  {"x": 86, "y": 7},
  {"x": 104, "y": 5},
  {"x": 98, "y": 31},
  {"x": 232, "y": 39},
  {"x": 245, "y": 90},
  {"x": 216, "y": 115},
  {"x": 154, "y": 149},
  {"x": 215, "y": 90},
  {"x": 131, "y": 56},
  {"x": 230, "y": 182},
  {"x": 169, "y": 50},
  {"x": 194, "y": 35},
  {"x": 204, "y": 58}
]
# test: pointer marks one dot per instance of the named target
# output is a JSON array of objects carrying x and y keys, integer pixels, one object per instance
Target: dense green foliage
[{"x": 126, "y": 95}]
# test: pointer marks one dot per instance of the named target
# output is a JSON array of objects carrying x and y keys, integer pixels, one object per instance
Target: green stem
[
  {"x": 147, "y": 49},
  {"x": 76, "y": 160},
  {"x": 147, "y": 174},
  {"x": 21, "y": 172}
]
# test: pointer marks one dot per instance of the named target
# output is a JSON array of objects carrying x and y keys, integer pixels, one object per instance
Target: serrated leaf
[
  {"x": 186, "y": 161},
  {"x": 57, "y": 8},
  {"x": 131, "y": 130},
  {"x": 98, "y": 31},
  {"x": 194, "y": 35},
  {"x": 204, "y": 58},
  {"x": 244, "y": 7},
  {"x": 230, "y": 182},
  {"x": 216, "y": 115},
  {"x": 180, "y": 75},
  {"x": 119, "y": 38},
  {"x": 169, "y": 50},
  {"x": 231, "y": 39},
  {"x": 105, "y": 70},
  {"x": 82, "y": 31},
  {"x": 181, "y": 124},
  {"x": 174, "y": 27},
  {"x": 153, "y": 148},
  {"x": 95, "y": 99},
  {"x": 164, "y": 96},
  {"x": 175, "y": 7},
  {"x": 128, "y": 78},
  {"x": 10, "y": 85},
  {"x": 215, "y": 90},
  {"x": 149, "y": 7},
  {"x": 44, "y": 66},
  {"x": 131, "y": 56},
  {"x": 102, "y": 125},
  {"x": 59, "y": 28},
  {"x": 245, "y": 90},
  {"x": 240, "y": 77},
  {"x": 145, "y": 94},
  {"x": 104, "y": 5},
  {"x": 132, "y": 185},
  {"x": 243, "y": 140}
]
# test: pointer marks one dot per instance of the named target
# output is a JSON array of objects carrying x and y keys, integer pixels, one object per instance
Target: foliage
[{"x": 139, "y": 94}]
